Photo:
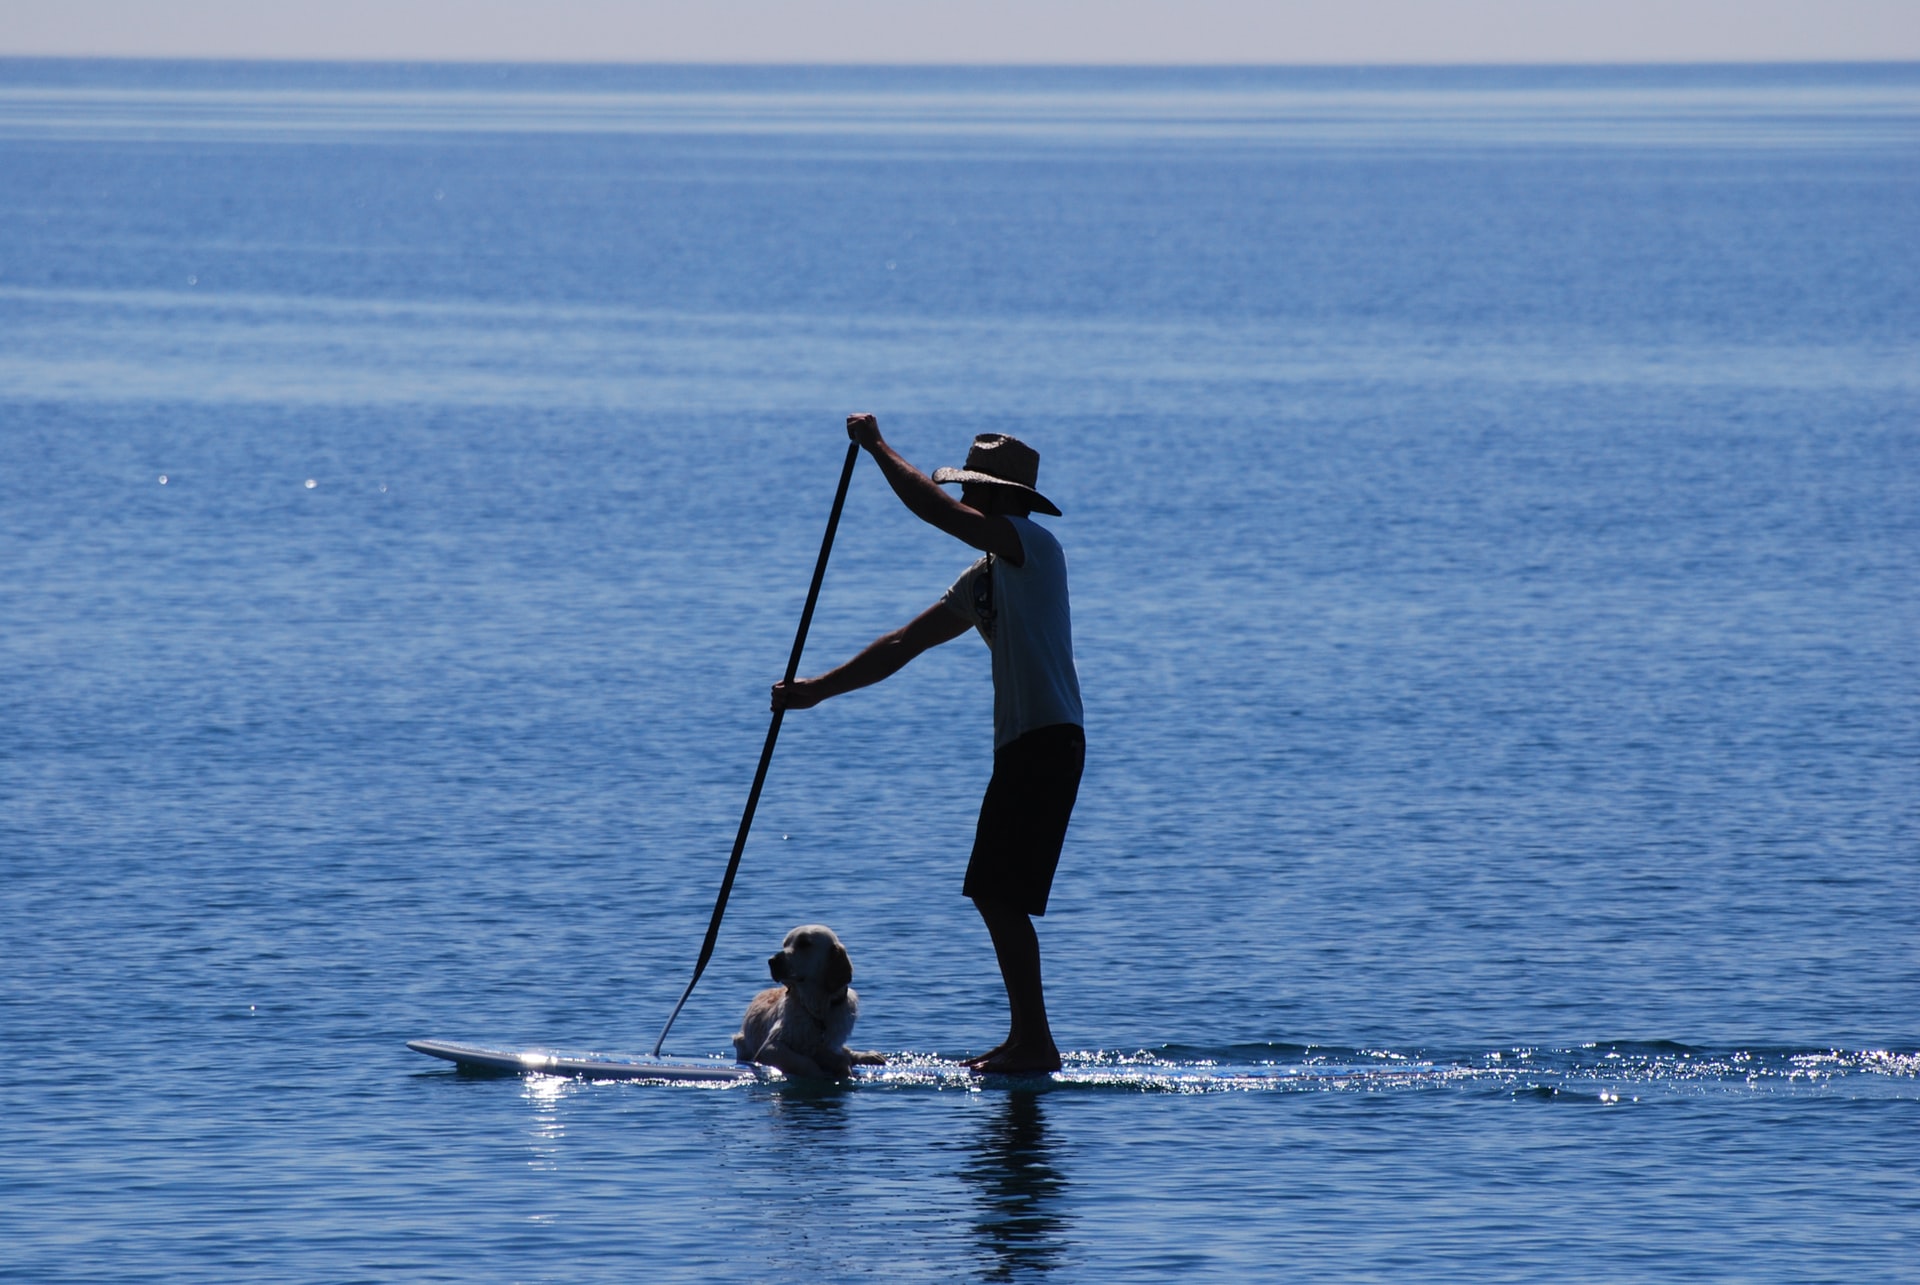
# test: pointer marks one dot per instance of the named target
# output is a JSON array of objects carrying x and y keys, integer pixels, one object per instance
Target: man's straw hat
[{"x": 998, "y": 460}]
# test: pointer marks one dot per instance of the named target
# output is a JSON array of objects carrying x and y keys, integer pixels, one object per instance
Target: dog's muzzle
[{"x": 777, "y": 966}]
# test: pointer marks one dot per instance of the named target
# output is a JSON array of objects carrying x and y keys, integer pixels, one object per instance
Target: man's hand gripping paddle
[{"x": 766, "y": 752}]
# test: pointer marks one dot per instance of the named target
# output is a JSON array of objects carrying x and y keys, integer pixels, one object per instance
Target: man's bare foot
[
  {"x": 988, "y": 1056},
  {"x": 868, "y": 1059},
  {"x": 1018, "y": 1059}
]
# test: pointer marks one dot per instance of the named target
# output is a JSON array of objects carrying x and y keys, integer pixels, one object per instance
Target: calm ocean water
[{"x": 1493, "y": 500}]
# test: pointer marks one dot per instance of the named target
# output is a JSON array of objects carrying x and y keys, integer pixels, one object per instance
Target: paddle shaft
[{"x": 766, "y": 751}]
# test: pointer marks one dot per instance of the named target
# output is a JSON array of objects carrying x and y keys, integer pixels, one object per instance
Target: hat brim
[{"x": 951, "y": 476}]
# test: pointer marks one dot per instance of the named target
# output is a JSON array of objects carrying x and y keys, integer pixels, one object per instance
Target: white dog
[{"x": 801, "y": 1026}]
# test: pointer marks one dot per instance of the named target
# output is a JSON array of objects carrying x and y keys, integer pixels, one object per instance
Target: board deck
[{"x": 595, "y": 1066}]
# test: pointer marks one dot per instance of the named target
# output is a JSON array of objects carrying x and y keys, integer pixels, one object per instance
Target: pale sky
[{"x": 973, "y": 31}]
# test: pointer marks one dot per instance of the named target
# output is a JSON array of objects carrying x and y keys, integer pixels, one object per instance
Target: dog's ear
[{"x": 839, "y": 968}]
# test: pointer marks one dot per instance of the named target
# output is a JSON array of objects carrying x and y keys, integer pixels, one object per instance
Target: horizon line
[{"x": 945, "y": 64}]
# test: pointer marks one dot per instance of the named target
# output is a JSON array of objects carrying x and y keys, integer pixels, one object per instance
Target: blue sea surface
[{"x": 1493, "y": 506}]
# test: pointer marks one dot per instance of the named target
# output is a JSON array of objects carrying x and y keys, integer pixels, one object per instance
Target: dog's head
[{"x": 813, "y": 964}]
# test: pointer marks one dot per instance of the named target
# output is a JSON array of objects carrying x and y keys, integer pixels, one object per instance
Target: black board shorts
[{"x": 1023, "y": 818}]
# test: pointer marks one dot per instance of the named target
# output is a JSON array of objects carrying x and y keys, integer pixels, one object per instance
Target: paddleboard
[
  {"x": 927, "y": 1071},
  {"x": 593, "y": 1066}
]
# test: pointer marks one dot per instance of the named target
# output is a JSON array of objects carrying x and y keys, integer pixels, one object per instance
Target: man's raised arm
[{"x": 987, "y": 532}]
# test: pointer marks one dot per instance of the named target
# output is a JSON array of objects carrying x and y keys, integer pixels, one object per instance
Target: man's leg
[{"x": 1029, "y": 1045}]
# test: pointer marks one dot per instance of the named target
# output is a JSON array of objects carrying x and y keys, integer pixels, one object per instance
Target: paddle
[{"x": 766, "y": 751}]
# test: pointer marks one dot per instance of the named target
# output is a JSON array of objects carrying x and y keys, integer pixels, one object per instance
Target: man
[{"x": 1016, "y": 596}]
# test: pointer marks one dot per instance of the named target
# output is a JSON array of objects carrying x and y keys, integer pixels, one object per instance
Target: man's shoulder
[{"x": 1034, "y": 536}]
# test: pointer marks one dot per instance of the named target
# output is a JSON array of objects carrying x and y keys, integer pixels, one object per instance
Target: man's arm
[
  {"x": 987, "y": 532},
  {"x": 881, "y": 658}
]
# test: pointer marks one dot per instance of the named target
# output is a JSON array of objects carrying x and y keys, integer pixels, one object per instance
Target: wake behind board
[{"x": 593, "y": 1066}]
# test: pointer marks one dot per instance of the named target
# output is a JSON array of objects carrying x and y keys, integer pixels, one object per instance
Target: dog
[{"x": 801, "y": 1026}]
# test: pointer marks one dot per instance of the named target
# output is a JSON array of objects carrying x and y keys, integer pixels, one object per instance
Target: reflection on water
[
  {"x": 810, "y": 1113},
  {"x": 1021, "y": 1223},
  {"x": 545, "y": 1093}
]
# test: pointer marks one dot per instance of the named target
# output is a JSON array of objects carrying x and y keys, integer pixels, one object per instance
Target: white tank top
[{"x": 1023, "y": 614}]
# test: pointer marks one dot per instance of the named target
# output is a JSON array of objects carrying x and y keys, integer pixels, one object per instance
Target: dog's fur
[{"x": 801, "y": 1026}]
